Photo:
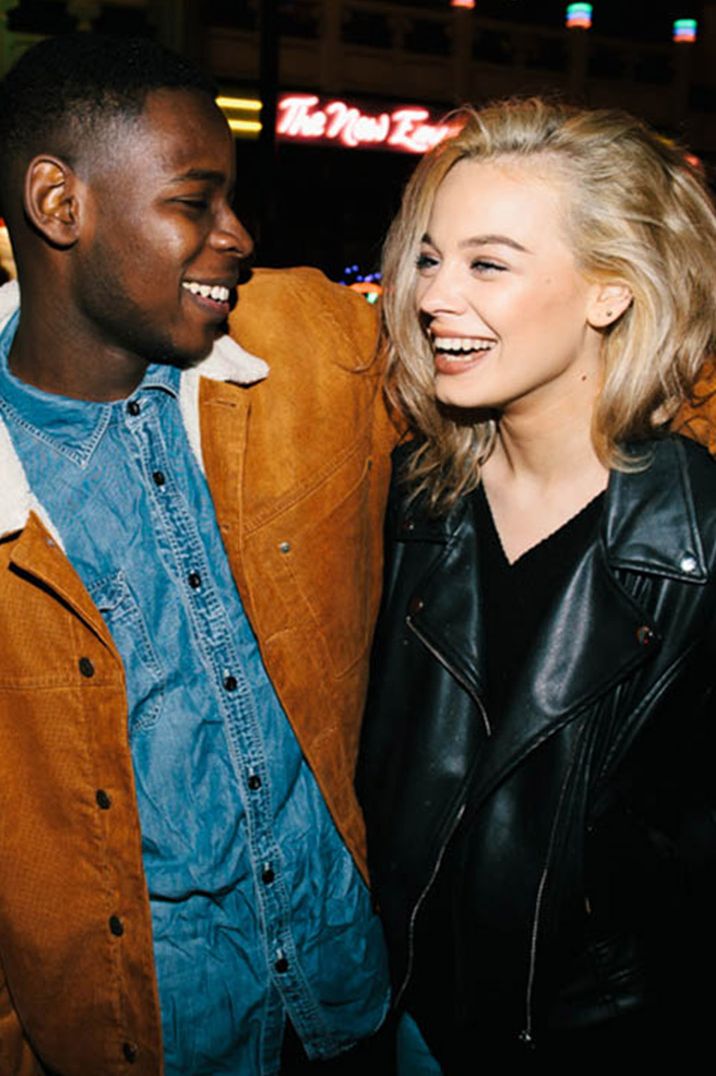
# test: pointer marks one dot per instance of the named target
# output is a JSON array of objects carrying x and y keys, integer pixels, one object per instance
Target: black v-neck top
[{"x": 516, "y": 596}]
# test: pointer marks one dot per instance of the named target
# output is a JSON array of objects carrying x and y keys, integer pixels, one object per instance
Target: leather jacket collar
[{"x": 665, "y": 541}]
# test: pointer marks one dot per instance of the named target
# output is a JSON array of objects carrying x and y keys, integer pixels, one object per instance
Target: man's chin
[{"x": 186, "y": 359}]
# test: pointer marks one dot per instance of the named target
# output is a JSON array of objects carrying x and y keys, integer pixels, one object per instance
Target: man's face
[{"x": 157, "y": 259}]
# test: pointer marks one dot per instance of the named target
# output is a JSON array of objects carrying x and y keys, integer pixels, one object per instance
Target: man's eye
[{"x": 197, "y": 204}]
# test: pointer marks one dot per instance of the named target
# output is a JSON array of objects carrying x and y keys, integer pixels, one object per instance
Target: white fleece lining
[{"x": 227, "y": 361}]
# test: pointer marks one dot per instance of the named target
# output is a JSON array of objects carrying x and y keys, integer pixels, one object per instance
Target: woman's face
[{"x": 507, "y": 313}]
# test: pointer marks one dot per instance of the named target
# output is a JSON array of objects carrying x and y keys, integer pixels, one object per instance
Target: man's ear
[
  {"x": 52, "y": 197},
  {"x": 608, "y": 303}
]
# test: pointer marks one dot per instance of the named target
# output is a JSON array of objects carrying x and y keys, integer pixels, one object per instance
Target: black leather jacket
[{"x": 579, "y": 833}]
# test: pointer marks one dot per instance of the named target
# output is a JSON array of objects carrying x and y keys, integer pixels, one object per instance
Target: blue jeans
[{"x": 414, "y": 1058}]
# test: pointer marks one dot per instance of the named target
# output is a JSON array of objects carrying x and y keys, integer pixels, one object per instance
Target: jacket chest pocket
[
  {"x": 39, "y": 639},
  {"x": 322, "y": 552},
  {"x": 144, "y": 674}
]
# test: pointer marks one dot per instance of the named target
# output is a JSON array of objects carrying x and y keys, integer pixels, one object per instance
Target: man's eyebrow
[{"x": 206, "y": 175}]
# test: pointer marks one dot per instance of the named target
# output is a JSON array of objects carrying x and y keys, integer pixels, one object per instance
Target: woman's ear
[
  {"x": 51, "y": 199},
  {"x": 608, "y": 303}
]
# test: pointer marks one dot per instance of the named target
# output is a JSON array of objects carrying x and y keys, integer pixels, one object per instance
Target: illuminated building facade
[{"x": 380, "y": 75}]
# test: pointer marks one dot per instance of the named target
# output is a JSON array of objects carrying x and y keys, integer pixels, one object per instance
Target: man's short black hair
[{"x": 63, "y": 91}]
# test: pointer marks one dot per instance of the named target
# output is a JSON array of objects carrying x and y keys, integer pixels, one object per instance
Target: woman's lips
[{"x": 455, "y": 354}]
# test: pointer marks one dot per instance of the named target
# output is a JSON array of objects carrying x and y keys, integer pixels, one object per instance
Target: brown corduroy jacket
[
  {"x": 697, "y": 418},
  {"x": 298, "y": 468}
]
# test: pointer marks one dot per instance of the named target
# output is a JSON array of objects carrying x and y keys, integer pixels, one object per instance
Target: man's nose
[{"x": 231, "y": 236}]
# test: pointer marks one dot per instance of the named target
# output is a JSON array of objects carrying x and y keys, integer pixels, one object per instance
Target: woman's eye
[
  {"x": 425, "y": 261},
  {"x": 483, "y": 265}
]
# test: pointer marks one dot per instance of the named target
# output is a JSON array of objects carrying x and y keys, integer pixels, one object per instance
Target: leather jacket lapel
[
  {"x": 446, "y": 608},
  {"x": 593, "y": 637}
]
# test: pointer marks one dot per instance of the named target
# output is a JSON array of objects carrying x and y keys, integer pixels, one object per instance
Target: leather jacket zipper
[
  {"x": 457, "y": 819},
  {"x": 526, "y": 1036},
  {"x": 419, "y": 902},
  {"x": 453, "y": 672}
]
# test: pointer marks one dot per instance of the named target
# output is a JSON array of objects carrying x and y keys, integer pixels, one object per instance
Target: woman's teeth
[{"x": 458, "y": 347}]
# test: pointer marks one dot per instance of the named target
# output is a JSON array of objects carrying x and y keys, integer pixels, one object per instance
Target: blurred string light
[
  {"x": 685, "y": 31},
  {"x": 579, "y": 17},
  {"x": 244, "y": 126},
  {"x": 462, "y": 3},
  {"x": 7, "y": 259},
  {"x": 366, "y": 284},
  {"x": 241, "y": 113}
]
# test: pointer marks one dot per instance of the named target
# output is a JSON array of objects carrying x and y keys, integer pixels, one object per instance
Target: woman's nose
[{"x": 441, "y": 294}]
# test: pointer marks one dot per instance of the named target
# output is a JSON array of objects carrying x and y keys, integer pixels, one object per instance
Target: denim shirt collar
[{"x": 74, "y": 427}]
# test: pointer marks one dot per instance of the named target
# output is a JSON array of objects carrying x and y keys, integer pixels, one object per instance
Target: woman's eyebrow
[
  {"x": 493, "y": 240},
  {"x": 484, "y": 240}
]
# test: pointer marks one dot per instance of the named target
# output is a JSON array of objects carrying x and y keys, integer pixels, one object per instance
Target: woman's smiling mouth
[{"x": 454, "y": 354}]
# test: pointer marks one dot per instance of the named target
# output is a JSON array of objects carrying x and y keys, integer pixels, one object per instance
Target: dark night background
[{"x": 331, "y": 206}]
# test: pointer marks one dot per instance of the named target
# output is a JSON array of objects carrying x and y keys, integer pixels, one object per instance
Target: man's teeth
[
  {"x": 207, "y": 291},
  {"x": 460, "y": 346}
]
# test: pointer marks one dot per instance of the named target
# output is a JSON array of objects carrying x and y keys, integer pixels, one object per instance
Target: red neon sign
[{"x": 407, "y": 129}]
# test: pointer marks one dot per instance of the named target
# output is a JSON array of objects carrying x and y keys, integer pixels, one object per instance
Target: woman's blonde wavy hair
[{"x": 636, "y": 212}]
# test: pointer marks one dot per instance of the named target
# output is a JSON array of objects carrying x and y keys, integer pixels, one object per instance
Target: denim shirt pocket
[{"x": 144, "y": 674}]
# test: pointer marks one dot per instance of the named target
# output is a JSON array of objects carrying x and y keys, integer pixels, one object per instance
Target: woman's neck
[{"x": 543, "y": 470}]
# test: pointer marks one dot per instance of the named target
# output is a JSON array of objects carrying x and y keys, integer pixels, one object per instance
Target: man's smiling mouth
[{"x": 218, "y": 292}]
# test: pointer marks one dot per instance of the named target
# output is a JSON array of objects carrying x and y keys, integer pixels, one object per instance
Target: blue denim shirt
[{"x": 258, "y": 910}]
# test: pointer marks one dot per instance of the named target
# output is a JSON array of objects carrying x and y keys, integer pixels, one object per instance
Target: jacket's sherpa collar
[{"x": 227, "y": 361}]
